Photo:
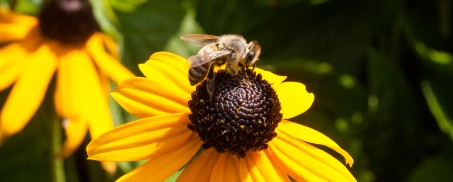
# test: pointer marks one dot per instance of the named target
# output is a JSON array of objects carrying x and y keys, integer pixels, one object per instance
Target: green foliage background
[{"x": 381, "y": 72}]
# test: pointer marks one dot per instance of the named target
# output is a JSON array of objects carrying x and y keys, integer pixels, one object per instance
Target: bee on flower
[{"x": 242, "y": 134}]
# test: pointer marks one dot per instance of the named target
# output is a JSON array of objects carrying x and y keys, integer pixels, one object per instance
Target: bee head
[{"x": 252, "y": 54}]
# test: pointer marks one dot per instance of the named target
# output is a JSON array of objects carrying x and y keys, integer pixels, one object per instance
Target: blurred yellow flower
[
  {"x": 236, "y": 127},
  {"x": 65, "y": 42}
]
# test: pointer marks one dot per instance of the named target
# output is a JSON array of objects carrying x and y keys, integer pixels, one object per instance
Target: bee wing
[
  {"x": 197, "y": 60},
  {"x": 201, "y": 39}
]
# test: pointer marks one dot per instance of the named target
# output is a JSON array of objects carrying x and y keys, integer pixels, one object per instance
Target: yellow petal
[
  {"x": 7, "y": 16},
  {"x": 162, "y": 167},
  {"x": 110, "y": 167},
  {"x": 218, "y": 172},
  {"x": 141, "y": 139},
  {"x": 11, "y": 53},
  {"x": 15, "y": 26},
  {"x": 13, "y": 61},
  {"x": 11, "y": 32},
  {"x": 261, "y": 168},
  {"x": 303, "y": 161},
  {"x": 270, "y": 77},
  {"x": 110, "y": 45},
  {"x": 311, "y": 136},
  {"x": 79, "y": 97},
  {"x": 11, "y": 65},
  {"x": 9, "y": 74},
  {"x": 294, "y": 98},
  {"x": 226, "y": 168},
  {"x": 244, "y": 173},
  {"x": 200, "y": 168},
  {"x": 96, "y": 99},
  {"x": 144, "y": 97},
  {"x": 106, "y": 63},
  {"x": 21, "y": 105},
  {"x": 69, "y": 99},
  {"x": 168, "y": 69},
  {"x": 14, "y": 52},
  {"x": 75, "y": 131},
  {"x": 292, "y": 168},
  {"x": 174, "y": 61}
]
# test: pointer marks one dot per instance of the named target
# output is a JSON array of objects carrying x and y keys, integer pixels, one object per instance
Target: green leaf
[
  {"x": 126, "y": 5},
  {"x": 188, "y": 26},
  {"x": 27, "y": 156},
  {"x": 443, "y": 120},
  {"x": 148, "y": 29},
  {"x": 436, "y": 168}
]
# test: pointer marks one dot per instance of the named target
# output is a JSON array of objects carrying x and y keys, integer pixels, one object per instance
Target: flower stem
[{"x": 57, "y": 159}]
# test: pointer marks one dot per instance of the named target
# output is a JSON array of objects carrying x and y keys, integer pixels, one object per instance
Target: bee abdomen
[{"x": 198, "y": 73}]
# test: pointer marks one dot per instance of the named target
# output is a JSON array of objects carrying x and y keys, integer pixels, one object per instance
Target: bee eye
[{"x": 249, "y": 56}]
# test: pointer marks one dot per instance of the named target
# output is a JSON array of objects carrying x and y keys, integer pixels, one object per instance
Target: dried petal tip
[
  {"x": 68, "y": 21},
  {"x": 241, "y": 115}
]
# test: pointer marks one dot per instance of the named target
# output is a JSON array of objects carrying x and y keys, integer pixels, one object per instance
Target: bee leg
[
  {"x": 232, "y": 70},
  {"x": 210, "y": 82},
  {"x": 244, "y": 74},
  {"x": 210, "y": 85},
  {"x": 243, "y": 70}
]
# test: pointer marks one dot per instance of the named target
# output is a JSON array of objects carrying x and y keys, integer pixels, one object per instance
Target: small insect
[{"x": 229, "y": 50}]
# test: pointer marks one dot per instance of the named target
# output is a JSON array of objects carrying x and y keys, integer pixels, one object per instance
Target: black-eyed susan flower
[
  {"x": 239, "y": 133},
  {"x": 63, "y": 42}
]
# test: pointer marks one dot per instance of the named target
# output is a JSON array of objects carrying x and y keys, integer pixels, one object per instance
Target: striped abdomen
[{"x": 198, "y": 73}]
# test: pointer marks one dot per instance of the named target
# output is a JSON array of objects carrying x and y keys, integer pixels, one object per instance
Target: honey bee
[{"x": 230, "y": 50}]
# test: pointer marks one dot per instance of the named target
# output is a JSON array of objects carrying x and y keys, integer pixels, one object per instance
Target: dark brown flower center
[
  {"x": 68, "y": 21},
  {"x": 241, "y": 114}
]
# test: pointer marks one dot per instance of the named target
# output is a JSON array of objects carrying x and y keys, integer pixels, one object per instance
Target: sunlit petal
[
  {"x": 95, "y": 98},
  {"x": 244, "y": 173},
  {"x": 141, "y": 97},
  {"x": 69, "y": 97},
  {"x": 15, "y": 56},
  {"x": 200, "y": 168},
  {"x": 15, "y": 26},
  {"x": 292, "y": 168},
  {"x": 7, "y": 16},
  {"x": 141, "y": 139},
  {"x": 303, "y": 161},
  {"x": 35, "y": 78},
  {"x": 79, "y": 96},
  {"x": 9, "y": 75},
  {"x": 294, "y": 98},
  {"x": 75, "y": 131},
  {"x": 106, "y": 63},
  {"x": 270, "y": 77},
  {"x": 226, "y": 168},
  {"x": 110, "y": 45},
  {"x": 311, "y": 136},
  {"x": 11, "y": 53},
  {"x": 11, "y": 65},
  {"x": 110, "y": 167},
  {"x": 160, "y": 168},
  {"x": 168, "y": 69},
  {"x": 261, "y": 169}
]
